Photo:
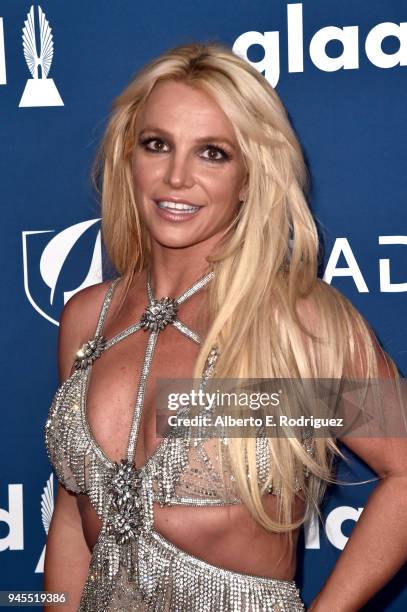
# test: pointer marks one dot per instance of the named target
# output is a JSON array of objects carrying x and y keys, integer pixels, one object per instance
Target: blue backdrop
[{"x": 339, "y": 67}]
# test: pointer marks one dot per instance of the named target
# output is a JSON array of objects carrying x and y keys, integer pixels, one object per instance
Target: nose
[{"x": 179, "y": 171}]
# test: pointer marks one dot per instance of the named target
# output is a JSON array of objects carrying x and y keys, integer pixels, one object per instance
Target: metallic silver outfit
[{"x": 133, "y": 567}]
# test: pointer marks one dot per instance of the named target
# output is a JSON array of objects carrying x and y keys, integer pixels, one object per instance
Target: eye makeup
[{"x": 146, "y": 140}]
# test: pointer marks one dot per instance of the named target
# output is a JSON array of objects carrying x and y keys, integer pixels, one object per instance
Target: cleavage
[{"x": 113, "y": 386}]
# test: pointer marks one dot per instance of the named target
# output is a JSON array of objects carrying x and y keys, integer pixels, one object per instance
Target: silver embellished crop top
[{"x": 181, "y": 470}]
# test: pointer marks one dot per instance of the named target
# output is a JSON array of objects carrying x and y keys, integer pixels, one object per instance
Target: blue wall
[{"x": 350, "y": 116}]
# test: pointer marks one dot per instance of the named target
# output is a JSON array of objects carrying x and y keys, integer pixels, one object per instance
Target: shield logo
[{"x": 52, "y": 263}]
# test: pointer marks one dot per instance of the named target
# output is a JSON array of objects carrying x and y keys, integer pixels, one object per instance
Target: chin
[
  {"x": 177, "y": 244},
  {"x": 171, "y": 241},
  {"x": 175, "y": 236}
]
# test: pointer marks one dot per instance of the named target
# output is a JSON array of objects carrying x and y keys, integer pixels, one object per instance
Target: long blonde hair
[{"x": 265, "y": 302}]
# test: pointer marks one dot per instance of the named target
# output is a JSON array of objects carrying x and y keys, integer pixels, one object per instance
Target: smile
[
  {"x": 177, "y": 207},
  {"x": 176, "y": 211}
]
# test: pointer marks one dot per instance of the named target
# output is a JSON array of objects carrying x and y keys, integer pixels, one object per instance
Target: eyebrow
[{"x": 209, "y": 138}]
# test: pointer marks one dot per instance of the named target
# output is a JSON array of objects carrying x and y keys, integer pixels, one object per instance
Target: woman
[{"x": 203, "y": 184}]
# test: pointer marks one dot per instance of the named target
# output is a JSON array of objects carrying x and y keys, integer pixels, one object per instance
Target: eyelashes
[{"x": 221, "y": 154}]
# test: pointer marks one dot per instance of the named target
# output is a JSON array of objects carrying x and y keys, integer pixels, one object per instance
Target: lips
[
  {"x": 177, "y": 207},
  {"x": 176, "y": 210}
]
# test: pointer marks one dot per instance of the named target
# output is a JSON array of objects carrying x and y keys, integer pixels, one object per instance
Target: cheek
[
  {"x": 144, "y": 175},
  {"x": 225, "y": 189}
]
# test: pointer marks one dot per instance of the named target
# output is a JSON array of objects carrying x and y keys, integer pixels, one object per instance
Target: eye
[
  {"x": 216, "y": 154},
  {"x": 155, "y": 145}
]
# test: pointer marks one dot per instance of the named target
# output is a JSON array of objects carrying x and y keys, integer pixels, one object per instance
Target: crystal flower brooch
[
  {"x": 159, "y": 314},
  {"x": 89, "y": 352}
]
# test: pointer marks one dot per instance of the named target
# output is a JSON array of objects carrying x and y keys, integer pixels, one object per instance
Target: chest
[{"x": 114, "y": 385}]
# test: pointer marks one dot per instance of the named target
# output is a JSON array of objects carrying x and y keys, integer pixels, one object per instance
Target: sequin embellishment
[
  {"x": 132, "y": 566},
  {"x": 159, "y": 314},
  {"x": 126, "y": 516},
  {"x": 89, "y": 352}
]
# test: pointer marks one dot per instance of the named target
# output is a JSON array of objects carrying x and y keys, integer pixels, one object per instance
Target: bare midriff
[{"x": 225, "y": 536}]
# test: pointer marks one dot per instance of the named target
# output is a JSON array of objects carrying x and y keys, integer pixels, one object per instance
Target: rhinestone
[
  {"x": 159, "y": 314},
  {"x": 133, "y": 567},
  {"x": 89, "y": 352}
]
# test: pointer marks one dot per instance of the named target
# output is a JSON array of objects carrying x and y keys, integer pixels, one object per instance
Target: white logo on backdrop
[
  {"x": 343, "y": 248},
  {"x": 348, "y": 36},
  {"x": 39, "y": 91},
  {"x": 333, "y": 527},
  {"x": 13, "y": 518},
  {"x": 3, "y": 77},
  {"x": 47, "y": 508},
  {"x": 53, "y": 258}
]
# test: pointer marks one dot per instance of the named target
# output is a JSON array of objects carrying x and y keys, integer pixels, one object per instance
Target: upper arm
[
  {"x": 385, "y": 451},
  {"x": 67, "y": 554}
]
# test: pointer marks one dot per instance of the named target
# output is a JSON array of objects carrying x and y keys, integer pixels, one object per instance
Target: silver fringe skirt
[{"x": 156, "y": 576}]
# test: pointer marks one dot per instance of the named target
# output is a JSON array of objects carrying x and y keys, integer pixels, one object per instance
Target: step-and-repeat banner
[{"x": 341, "y": 70}]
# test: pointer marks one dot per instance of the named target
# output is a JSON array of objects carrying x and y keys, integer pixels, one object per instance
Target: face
[{"x": 188, "y": 171}]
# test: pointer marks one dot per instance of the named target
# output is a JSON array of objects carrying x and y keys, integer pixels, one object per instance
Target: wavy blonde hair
[{"x": 265, "y": 288}]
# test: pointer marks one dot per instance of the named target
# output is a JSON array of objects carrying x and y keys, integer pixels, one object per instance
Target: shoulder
[
  {"x": 331, "y": 316},
  {"x": 82, "y": 310},
  {"x": 78, "y": 323},
  {"x": 326, "y": 305}
]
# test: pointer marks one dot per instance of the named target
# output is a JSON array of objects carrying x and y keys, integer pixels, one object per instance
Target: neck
[{"x": 173, "y": 270}]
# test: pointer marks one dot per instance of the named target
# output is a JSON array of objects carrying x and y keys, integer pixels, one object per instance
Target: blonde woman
[{"x": 205, "y": 219}]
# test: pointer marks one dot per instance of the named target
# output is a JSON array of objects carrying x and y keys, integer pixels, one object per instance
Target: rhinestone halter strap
[{"x": 126, "y": 517}]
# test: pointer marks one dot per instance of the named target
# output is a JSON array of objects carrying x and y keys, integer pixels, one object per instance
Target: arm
[
  {"x": 67, "y": 554},
  {"x": 377, "y": 547}
]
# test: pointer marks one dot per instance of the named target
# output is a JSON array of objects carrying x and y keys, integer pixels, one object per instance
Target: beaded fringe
[{"x": 153, "y": 575}]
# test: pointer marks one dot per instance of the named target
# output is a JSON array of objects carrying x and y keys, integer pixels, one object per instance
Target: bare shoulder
[
  {"x": 78, "y": 323},
  {"x": 83, "y": 308},
  {"x": 347, "y": 344}
]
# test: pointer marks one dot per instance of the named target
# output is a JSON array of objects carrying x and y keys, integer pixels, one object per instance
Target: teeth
[{"x": 177, "y": 206}]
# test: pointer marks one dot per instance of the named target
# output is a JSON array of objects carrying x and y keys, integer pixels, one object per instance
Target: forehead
[{"x": 173, "y": 103}]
